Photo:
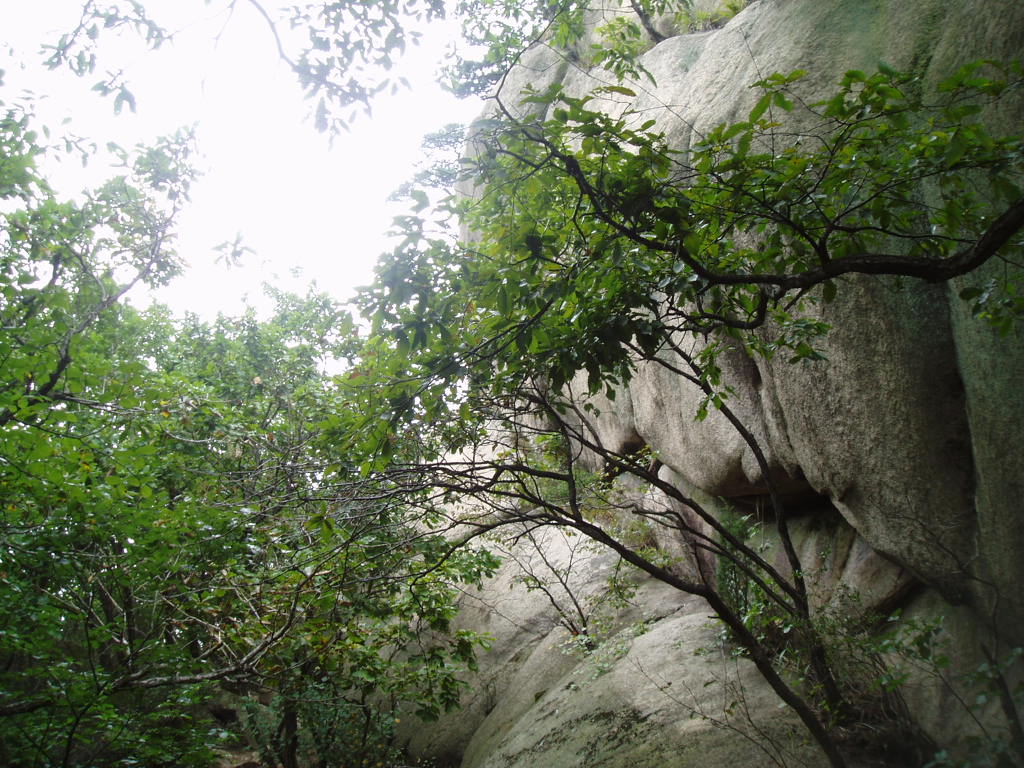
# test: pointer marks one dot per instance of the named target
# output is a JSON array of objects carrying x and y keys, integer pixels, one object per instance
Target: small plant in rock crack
[
  {"x": 992, "y": 696},
  {"x": 760, "y": 614},
  {"x": 865, "y": 652},
  {"x": 607, "y": 640},
  {"x": 601, "y": 659}
]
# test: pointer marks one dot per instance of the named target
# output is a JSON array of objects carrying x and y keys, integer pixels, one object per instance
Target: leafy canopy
[
  {"x": 175, "y": 513},
  {"x": 295, "y": 503},
  {"x": 593, "y": 244}
]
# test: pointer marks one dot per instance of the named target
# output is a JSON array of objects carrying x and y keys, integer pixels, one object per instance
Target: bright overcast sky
[{"x": 301, "y": 204}]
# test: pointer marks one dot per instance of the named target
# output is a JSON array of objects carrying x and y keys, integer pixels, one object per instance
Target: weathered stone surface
[
  {"x": 879, "y": 427},
  {"x": 991, "y": 366},
  {"x": 710, "y": 454},
  {"x": 520, "y": 620},
  {"x": 608, "y": 424},
  {"x": 904, "y": 443},
  {"x": 992, "y": 369},
  {"x": 882, "y": 426},
  {"x": 654, "y": 690},
  {"x": 650, "y": 699},
  {"x": 843, "y": 571}
]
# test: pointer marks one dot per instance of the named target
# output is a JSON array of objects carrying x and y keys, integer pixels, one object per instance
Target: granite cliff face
[{"x": 901, "y": 449}]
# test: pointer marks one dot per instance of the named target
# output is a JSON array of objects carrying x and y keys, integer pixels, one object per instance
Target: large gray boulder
[
  {"x": 907, "y": 427},
  {"x": 903, "y": 445},
  {"x": 655, "y": 686}
]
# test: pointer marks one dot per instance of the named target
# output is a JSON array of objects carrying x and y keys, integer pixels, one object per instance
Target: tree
[
  {"x": 173, "y": 515},
  {"x": 594, "y": 247},
  {"x": 342, "y": 54}
]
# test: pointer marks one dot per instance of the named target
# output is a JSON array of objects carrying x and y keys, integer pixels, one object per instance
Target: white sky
[{"x": 268, "y": 175}]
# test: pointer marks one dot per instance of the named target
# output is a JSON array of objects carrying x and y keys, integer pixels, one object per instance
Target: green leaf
[
  {"x": 124, "y": 97},
  {"x": 782, "y": 102},
  {"x": 734, "y": 130},
  {"x": 619, "y": 89},
  {"x": 957, "y": 148},
  {"x": 420, "y": 200},
  {"x": 760, "y": 107}
]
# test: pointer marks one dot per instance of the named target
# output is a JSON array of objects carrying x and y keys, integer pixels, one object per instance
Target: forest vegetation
[{"x": 197, "y": 512}]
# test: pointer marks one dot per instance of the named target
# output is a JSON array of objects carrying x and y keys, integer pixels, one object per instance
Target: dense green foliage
[
  {"x": 173, "y": 515},
  {"x": 594, "y": 247},
  {"x": 193, "y": 508}
]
